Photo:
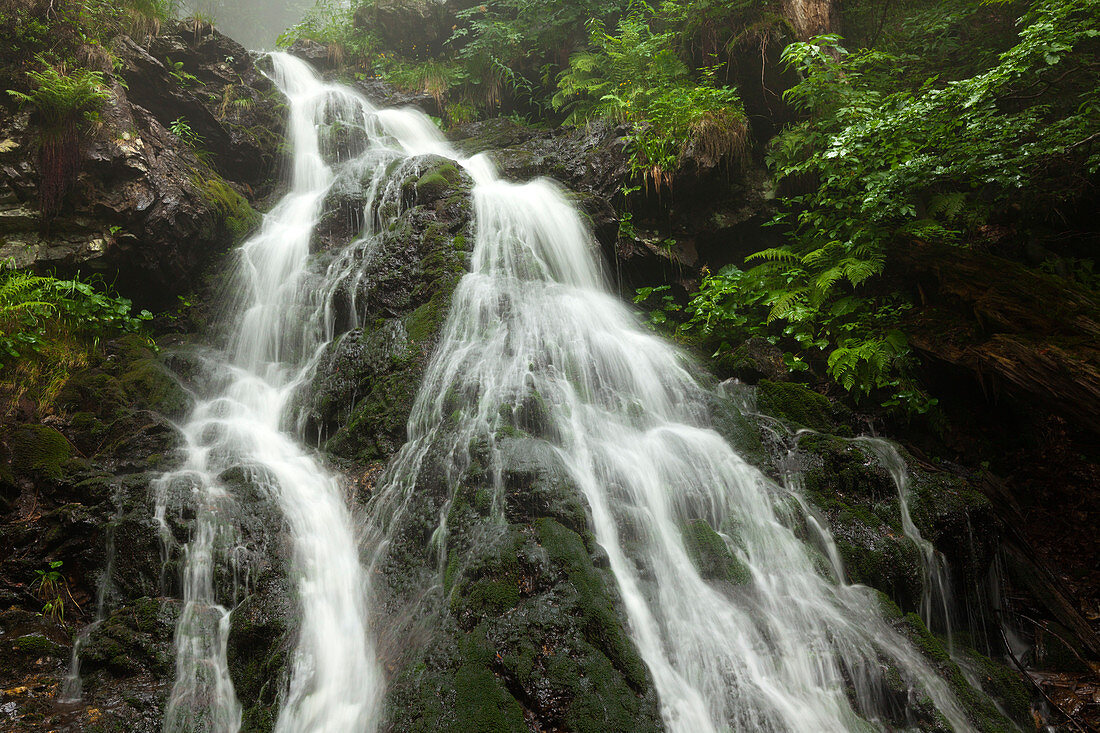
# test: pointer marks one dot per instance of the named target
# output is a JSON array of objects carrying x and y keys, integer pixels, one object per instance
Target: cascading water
[
  {"x": 533, "y": 320},
  {"x": 284, "y": 321},
  {"x": 936, "y": 587}
]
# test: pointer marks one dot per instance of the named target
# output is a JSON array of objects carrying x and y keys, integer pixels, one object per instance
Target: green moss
[
  {"x": 37, "y": 645},
  {"x": 38, "y": 449},
  {"x": 431, "y": 187},
  {"x": 424, "y": 322},
  {"x": 711, "y": 556},
  {"x": 888, "y": 564},
  {"x": 1003, "y": 684},
  {"x": 130, "y": 347},
  {"x": 150, "y": 384},
  {"x": 483, "y": 705},
  {"x": 795, "y": 403},
  {"x": 979, "y": 707},
  {"x": 238, "y": 215},
  {"x": 94, "y": 391},
  {"x": 492, "y": 596},
  {"x": 601, "y": 625}
]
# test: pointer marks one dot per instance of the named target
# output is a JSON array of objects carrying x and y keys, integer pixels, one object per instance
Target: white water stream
[{"x": 533, "y": 318}]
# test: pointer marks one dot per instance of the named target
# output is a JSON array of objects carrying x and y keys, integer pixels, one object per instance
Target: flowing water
[
  {"x": 533, "y": 320},
  {"x": 283, "y": 322},
  {"x": 936, "y": 601}
]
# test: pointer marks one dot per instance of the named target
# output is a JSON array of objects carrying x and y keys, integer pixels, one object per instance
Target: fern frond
[
  {"x": 819, "y": 255},
  {"x": 825, "y": 282},
  {"x": 775, "y": 254},
  {"x": 947, "y": 205},
  {"x": 858, "y": 271},
  {"x": 786, "y": 304}
]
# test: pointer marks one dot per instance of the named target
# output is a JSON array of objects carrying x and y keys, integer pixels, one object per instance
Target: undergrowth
[{"x": 51, "y": 327}]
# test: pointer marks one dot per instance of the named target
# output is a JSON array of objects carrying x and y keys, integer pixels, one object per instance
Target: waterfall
[
  {"x": 786, "y": 648},
  {"x": 283, "y": 322}
]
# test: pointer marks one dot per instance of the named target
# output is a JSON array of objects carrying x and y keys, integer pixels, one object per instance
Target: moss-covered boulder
[
  {"x": 40, "y": 451},
  {"x": 362, "y": 393},
  {"x": 149, "y": 384},
  {"x": 800, "y": 405}
]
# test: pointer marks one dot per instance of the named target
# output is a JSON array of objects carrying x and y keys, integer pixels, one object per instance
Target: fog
[{"x": 254, "y": 24}]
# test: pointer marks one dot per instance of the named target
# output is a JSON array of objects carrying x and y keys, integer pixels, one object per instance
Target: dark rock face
[
  {"x": 79, "y": 491},
  {"x": 365, "y": 384},
  {"x": 147, "y": 208},
  {"x": 384, "y": 94},
  {"x": 317, "y": 54},
  {"x": 591, "y": 162},
  {"x": 416, "y": 28},
  {"x": 709, "y": 216}
]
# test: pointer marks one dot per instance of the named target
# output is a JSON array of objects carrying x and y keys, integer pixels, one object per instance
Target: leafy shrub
[
  {"x": 31, "y": 306},
  {"x": 885, "y": 162},
  {"x": 635, "y": 76},
  {"x": 49, "y": 327}
]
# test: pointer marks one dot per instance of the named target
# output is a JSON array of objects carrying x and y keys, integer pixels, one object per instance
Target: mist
[{"x": 255, "y": 24}]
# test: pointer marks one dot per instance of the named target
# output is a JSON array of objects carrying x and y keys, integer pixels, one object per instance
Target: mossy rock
[
  {"x": 148, "y": 383},
  {"x": 94, "y": 391},
  {"x": 258, "y": 654},
  {"x": 602, "y": 626},
  {"x": 436, "y": 183},
  {"x": 39, "y": 645},
  {"x": 128, "y": 348},
  {"x": 483, "y": 704},
  {"x": 979, "y": 705},
  {"x": 134, "y": 639},
  {"x": 799, "y": 405},
  {"x": 236, "y": 214},
  {"x": 40, "y": 450},
  {"x": 711, "y": 556}
]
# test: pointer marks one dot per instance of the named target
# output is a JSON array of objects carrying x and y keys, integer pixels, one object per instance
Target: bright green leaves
[
  {"x": 64, "y": 98},
  {"x": 634, "y": 75},
  {"x": 33, "y": 307},
  {"x": 892, "y": 158}
]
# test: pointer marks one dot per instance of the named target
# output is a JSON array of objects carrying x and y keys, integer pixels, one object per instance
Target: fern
[
  {"x": 20, "y": 292},
  {"x": 774, "y": 254},
  {"x": 785, "y": 304}
]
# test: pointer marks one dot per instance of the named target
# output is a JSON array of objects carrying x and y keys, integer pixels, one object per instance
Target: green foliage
[
  {"x": 61, "y": 98},
  {"x": 519, "y": 46},
  {"x": 330, "y": 22},
  {"x": 886, "y": 157},
  {"x": 49, "y": 587},
  {"x": 182, "y": 129},
  {"x": 34, "y": 309},
  {"x": 68, "y": 31},
  {"x": 66, "y": 103},
  {"x": 175, "y": 69},
  {"x": 636, "y": 76}
]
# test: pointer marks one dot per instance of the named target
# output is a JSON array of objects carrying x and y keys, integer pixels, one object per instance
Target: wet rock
[
  {"x": 365, "y": 384},
  {"x": 317, "y": 54},
  {"x": 591, "y": 162},
  {"x": 754, "y": 360},
  {"x": 384, "y": 94},
  {"x": 148, "y": 207}
]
